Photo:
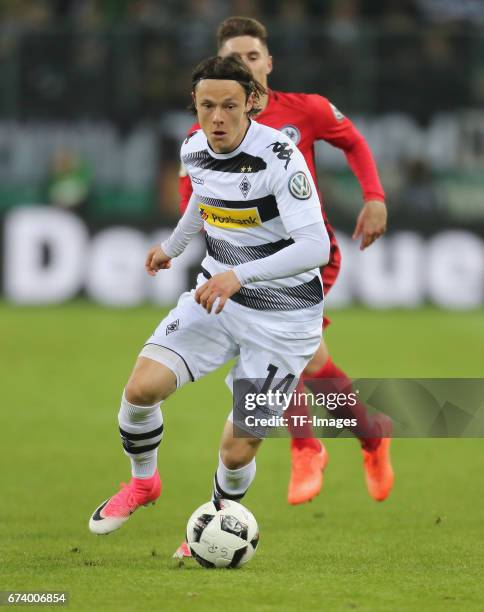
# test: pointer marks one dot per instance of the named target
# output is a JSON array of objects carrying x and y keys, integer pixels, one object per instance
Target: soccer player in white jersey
[{"x": 258, "y": 298}]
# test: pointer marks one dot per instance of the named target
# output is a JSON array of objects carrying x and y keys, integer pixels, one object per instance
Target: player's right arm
[
  {"x": 184, "y": 183},
  {"x": 156, "y": 260},
  {"x": 160, "y": 256}
]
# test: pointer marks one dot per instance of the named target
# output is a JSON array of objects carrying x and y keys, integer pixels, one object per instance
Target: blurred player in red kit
[{"x": 307, "y": 118}]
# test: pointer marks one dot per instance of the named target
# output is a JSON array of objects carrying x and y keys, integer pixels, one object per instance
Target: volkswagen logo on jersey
[
  {"x": 299, "y": 186},
  {"x": 291, "y": 132}
]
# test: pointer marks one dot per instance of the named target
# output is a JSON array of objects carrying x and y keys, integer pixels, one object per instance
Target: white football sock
[
  {"x": 232, "y": 484},
  {"x": 141, "y": 429}
]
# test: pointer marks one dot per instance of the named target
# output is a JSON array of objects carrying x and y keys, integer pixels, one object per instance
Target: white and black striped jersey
[{"x": 251, "y": 200}]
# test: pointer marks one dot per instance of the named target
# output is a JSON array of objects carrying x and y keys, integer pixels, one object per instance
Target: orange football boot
[
  {"x": 307, "y": 467},
  {"x": 376, "y": 462}
]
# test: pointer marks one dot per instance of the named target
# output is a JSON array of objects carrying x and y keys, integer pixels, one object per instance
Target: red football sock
[
  {"x": 300, "y": 443},
  {"x": 358, "y": 411},
  {"x": 302, "y": 435}
]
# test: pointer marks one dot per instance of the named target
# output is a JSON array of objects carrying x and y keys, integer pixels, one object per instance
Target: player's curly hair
[
  {"x": 230, "y": 68},
  {"x": 240, "y": 26}
]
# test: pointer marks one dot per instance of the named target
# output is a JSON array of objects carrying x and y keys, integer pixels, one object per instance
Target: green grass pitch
[{"x": 63, "y": 370}]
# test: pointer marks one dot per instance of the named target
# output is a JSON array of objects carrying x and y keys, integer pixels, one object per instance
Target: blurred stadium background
[{"x": 92, "y": 111}]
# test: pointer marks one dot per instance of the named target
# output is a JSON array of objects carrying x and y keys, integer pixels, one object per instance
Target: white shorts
[{"x": 207, "y": 341}]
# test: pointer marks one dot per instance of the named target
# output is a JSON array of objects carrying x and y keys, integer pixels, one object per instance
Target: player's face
[
  {"x": 254, "y": 54},
  {"x": 222, "y": 110}
]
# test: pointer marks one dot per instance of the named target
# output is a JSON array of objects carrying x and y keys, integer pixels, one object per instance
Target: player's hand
[
  {"x": 371, "y": 223},
  {"x": 221, "y": 286},
  {"x": 156, "y": 260}
]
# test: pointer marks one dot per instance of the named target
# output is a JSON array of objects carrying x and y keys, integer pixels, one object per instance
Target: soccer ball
[{"x": 222, "y": 534}]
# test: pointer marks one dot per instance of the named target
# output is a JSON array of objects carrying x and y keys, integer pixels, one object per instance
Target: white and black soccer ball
[{"x": 222, "y": 534}]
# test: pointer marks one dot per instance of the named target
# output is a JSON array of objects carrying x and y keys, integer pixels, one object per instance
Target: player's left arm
[
  {"x": 220, "y": 287},
  {"x": 300, "y": 211},
  {"x": 333, "y": 127}
]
